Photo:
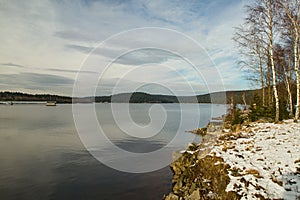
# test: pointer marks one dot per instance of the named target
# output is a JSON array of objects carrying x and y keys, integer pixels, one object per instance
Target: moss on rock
[{"x": 200, "y": 178}]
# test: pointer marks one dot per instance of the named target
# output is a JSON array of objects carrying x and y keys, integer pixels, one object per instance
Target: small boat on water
[{"x": 51, "y": 103}]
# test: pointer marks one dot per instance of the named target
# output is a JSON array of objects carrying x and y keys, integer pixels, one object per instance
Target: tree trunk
[
  {"x": 244, "y": 99},
  {"x": 293, "y": 17},
  {"x": 288, "y": 88},
  {"x": 290, "y": 99},
  {"x": 274, "y": 85},
  {"x": 270, "y": 24},
  {"x": 262, "y": 80},
  {"x": 296, "y": 65},
  {"x": 269, "y": 84}
]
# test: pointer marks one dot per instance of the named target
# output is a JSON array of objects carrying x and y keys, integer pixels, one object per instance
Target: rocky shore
[{"x": 257, "y": 161}]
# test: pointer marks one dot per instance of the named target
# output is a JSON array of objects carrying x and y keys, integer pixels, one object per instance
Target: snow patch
[{"x": 265, "y": 162}]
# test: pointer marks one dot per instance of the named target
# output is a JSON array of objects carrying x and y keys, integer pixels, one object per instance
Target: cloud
[
  {"x": 12, "y": 65},
  {"x": 30, "y": 68},
  {"x": 68, "y": 70},
  {"x": 80, "y": 48},
  {"x": 134, "y": 57},
  {"x": 73, "y": 36},
  {"x": 53, "y": 38},
  {"x": 35, "y": 81}
]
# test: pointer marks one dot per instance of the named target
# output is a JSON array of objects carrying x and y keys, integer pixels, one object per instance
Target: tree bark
[
  {"x": 262, "y": 80},
  {"x": 288, "y": 88},
  {"x": 293, "y": 18},
  {"x": 269, "y": 83},
  {"x": 296, "y": 65},
  {"x": 270, "y": 26}
]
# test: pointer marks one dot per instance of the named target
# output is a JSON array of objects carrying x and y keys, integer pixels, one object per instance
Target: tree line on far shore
[
  {"x": 268, "y": 41},
  {"x": 135, "y": 97}
]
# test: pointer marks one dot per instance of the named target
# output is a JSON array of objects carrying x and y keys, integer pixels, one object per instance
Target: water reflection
[{"x": 42, "y": 157}]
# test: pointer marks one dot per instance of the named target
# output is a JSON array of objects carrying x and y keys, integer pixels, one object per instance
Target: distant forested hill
[
  {"x": 136, "y": 97},
  {"x": 18, "y": 96}
]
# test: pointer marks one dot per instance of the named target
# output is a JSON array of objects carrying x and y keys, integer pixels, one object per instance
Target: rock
[
  {"x": 211, "y": 195},
  {"x": 171, "y": 196},
  {"x": 200, "y": 178},
  {"x": 196, "y": 174},
  {"x": 214, "y": 126},
  {"x": 192, "y": 147},
  {"x": 201, "y": 131},
  {"x": 195, "y": 195}
]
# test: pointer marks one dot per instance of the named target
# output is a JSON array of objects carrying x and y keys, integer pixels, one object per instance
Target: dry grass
[
  {"x": 227, "y": 146},
  {"x": 254, "y": 172},
  {"x": 297, "y": 161},
  {"x": 275, "y": 180}
]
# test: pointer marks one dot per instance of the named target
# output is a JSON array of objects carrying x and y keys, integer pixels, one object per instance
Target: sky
[{"x": 113, "y": 46}]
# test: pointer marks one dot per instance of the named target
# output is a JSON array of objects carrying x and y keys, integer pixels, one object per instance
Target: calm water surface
[{"x": 42, "y": 156}]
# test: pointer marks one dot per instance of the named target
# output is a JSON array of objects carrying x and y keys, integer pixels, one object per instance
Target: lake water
[{"x": 42, "y": 156}]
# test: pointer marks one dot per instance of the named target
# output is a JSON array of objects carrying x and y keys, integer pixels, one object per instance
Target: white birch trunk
[
  {"x": 294, "y": 19},
  {"x": 296, "y": 64},
  {"x": 262, "y": 80},
  {"x": 290, "y": 99},
  {"x": 270, "y": 24}
]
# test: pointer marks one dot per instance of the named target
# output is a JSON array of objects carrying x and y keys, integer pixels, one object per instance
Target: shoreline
[{"x": 260, "y": 161}]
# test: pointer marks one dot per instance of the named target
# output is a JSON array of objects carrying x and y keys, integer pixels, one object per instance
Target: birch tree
[
  {"x": 262, "y": 19},
  {"x": 270, "y": 9},
  {"x": 282, "y": 61},
  {"x": 290, "y": 21},
  {"x": 252, "y": 48}
]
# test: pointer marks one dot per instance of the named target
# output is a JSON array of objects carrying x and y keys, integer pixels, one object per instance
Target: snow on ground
[{"x": 264, "y": 161}]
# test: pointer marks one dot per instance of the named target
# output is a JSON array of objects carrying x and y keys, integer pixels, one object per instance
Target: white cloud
[{"x": 52, "y": 38}]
